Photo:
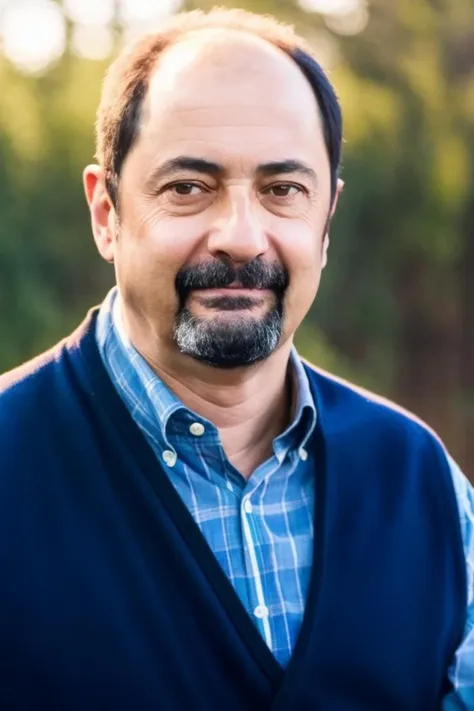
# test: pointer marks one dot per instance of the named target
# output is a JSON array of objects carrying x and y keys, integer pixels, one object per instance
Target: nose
[{"x": 238, "y": 233}]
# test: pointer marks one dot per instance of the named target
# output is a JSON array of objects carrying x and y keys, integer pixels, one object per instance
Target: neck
[{"x": 250, "y": 406}]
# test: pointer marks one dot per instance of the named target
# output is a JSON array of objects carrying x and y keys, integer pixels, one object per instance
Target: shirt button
[
  {"x": 197, "y": 429},
  {"x": 261, "y": 611},
  {"x": 248, "y": 508},
  {"x": 169, "y": 457},
  {"x": 303, "y": 454}
]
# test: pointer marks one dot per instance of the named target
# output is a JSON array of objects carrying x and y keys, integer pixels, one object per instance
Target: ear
[
  {"x": 103, "y": 216},
  {"x": 339, "y": 187}
]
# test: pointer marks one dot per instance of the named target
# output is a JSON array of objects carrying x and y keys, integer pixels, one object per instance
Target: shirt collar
[
  {"x": 144, "y": 392},
  {"x": 142, "y": 388},
  {"x": 304, "y": 416}
]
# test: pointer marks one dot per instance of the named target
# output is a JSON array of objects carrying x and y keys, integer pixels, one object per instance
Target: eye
[
  {"x": 185, "y": 197},
  {"x": 184, "y": 189},
  {"x": 284, "y": 190}
]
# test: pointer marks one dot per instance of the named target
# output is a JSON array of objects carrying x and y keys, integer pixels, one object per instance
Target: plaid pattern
[
  {"x": 461, "y": 672},
  {"x": 260, "y": 530}
]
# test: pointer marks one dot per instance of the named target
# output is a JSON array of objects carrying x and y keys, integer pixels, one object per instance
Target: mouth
[
  {"x": 234, "y": 289},
  {"x": 234, "y": 297}
]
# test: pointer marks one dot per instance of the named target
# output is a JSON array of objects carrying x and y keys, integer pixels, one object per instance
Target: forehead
[{"x": 231, "y": 95}]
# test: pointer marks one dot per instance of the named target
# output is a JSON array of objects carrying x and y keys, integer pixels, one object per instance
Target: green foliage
[{"x": 49, "y": 270}]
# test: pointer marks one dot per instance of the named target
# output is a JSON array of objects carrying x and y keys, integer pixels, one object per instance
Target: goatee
[{"x": 243, "y": 339}]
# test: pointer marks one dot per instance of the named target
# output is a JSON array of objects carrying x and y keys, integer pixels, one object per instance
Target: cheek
[
  {"x": 299, "y": 244},
  {"x": 151, "y": 248},
  {"x": 301, "y": 252},
  {"x": 157, "y": 242}
]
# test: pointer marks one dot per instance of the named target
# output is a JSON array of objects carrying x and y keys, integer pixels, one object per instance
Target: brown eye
[
  {"x": 186, "y": 189},
  {"x": 283, "y": 190},
  {"x": 186, "y": 197}
]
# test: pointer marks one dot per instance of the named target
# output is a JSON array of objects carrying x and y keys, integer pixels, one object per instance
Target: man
[{"x": 192, "y": 517}]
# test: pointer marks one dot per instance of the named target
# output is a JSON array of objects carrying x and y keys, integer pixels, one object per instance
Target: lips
[
  {"x": 234, "y": 289},
  {"x": 234, "y": 286}
]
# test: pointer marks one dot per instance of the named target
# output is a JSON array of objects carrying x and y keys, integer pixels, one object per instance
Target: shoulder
[
  {"x": 362, "y": 407},
  {"x": 28, "y": 396},
  {"x": 29, "y": 379},
  {"x": 372, "y": 434},
  {"x": 29, "y": 417},
  {"x": 378, "y": 429},
  {"x": 44, "y": 405},
  {"x": 49, "y": 377}
]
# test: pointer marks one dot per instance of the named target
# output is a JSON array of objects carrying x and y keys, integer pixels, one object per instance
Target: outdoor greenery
[{"x": 394, "y": 309}]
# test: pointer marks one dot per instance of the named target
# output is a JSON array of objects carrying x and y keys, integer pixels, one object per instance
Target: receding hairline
[
  {"x": 127, "y": 81},
  {"x": 225, "y": 49},
  {"x": 216, "y": 39}
]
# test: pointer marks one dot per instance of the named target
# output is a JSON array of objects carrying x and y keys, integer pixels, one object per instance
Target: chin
[{"x": 229, "y": 339}]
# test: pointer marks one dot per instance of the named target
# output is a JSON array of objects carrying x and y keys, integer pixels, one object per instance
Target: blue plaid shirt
[{"x": 260, "y": 530}]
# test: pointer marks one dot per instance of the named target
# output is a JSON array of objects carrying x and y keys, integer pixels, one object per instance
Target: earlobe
[
  {"x": 339, "y": 189},
  {"x": 324, "y": 259},
  {"x": 101, "y": 209}
]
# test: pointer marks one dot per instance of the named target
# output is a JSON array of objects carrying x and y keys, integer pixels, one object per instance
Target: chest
[{"x": 112, "y": 596}]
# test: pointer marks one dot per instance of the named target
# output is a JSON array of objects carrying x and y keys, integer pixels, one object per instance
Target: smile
[{"x": 234, "y": 289}]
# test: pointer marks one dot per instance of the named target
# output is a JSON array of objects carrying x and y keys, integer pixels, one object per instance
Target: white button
[
  {"x": 169, "y": 457},
  {"x": 261, "y": 611},
  {"x": 303, "y": 454},
  {"x": 248, "y": 508},
  {"x": 197, "y": 429}
]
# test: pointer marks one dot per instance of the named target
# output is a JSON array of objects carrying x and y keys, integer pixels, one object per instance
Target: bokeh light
[
  {"x": 92, "y": 42},
  {"x": 33, "y": 33},
  {"x": 330, "y": 7},
  {"x": 140, "y": 11},
  {"x": 90, "y": 12},
  {"x": 349, "y": 23},
  {"x": 139, "y": 17}
]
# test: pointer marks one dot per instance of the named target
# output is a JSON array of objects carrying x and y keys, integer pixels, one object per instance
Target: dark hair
[{"x": 126, "y": 84}]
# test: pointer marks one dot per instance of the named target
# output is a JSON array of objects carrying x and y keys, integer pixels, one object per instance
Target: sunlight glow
[
  {"x": 330, "y": 7},
  {"x": 140, "y": 17},
  {"x": 137, "y": 11},
  {"x": 34, "y": 34},
  {"x": 92, "y": 42},
  {"x": 90, "y": 12},
  {"x": 351, "y": 23}
]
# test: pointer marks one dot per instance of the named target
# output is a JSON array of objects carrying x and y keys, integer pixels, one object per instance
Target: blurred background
[{"x": 394, "y": 312}]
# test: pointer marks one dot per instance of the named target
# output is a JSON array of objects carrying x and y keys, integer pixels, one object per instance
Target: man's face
[{"x": 224, "y": 201}]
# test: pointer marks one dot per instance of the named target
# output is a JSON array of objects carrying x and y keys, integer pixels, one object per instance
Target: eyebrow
[
  {"x": 284, "y": 167},
  {"x": 205, "y": 167},
  {"x": 187, "y": 163}
]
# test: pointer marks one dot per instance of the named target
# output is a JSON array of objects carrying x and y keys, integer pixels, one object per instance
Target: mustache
[{"x": 256, "y": 274}]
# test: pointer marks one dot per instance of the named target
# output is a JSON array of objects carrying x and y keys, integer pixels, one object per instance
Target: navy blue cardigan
[{"x": 111, "y": 599}]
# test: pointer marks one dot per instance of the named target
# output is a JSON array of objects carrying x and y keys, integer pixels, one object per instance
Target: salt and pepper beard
[{"x": 234, "y": 342}]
